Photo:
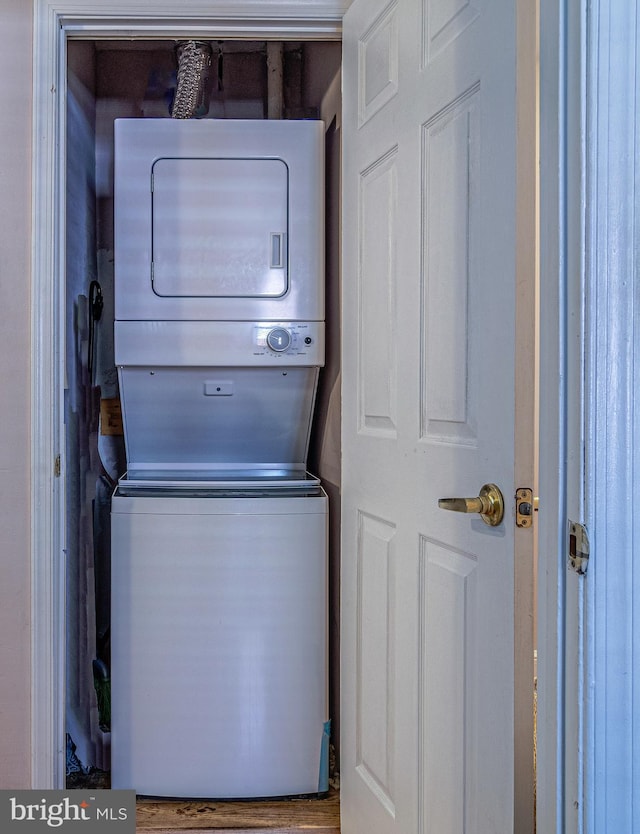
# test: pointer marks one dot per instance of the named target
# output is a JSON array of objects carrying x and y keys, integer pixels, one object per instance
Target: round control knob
[{"x": 279, "y": 339}]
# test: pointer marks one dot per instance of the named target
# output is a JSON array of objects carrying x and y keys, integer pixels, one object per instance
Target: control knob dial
[{"x": 279, "y": 339}]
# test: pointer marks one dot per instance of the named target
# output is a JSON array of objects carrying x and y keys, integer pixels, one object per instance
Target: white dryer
[{"x": 219, "y": 220}]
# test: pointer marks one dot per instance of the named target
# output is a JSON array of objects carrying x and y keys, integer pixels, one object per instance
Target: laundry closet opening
[{"x": 118, "y": 79}]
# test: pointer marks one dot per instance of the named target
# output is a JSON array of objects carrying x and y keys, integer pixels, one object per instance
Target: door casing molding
[
  {"x": 560, "y": 430},
  {"x": 56, "y": 21}
]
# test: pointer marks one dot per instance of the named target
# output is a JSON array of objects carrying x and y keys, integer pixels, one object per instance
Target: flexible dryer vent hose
[{"x": 194, "y": 60}]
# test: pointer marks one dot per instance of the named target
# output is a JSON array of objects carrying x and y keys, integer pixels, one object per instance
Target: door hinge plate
[
  {"x": 526, "y": 504},
  {"x": 578, "y": 547}
]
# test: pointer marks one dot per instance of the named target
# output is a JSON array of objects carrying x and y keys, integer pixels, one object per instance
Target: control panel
[
  {"x": 289, "y": 339},
  {"x": 219, "y": 343}
]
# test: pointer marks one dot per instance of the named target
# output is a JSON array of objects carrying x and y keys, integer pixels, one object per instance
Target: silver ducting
[{"x": 191, "y": 98}]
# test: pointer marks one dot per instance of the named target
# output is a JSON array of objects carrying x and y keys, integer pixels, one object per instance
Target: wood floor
[{"x": 315, "y": 816}]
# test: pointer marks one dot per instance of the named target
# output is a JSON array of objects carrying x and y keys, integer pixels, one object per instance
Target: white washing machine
[
  {"x": 219, "y": 672},
  {"x": 219, "y": 641},
  {"x": 219, "y": 535}
]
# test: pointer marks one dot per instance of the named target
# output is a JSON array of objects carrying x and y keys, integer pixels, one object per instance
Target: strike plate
[{"x": 578, "y": 547}]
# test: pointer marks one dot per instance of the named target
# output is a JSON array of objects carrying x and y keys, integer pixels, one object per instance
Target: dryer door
[{"x": 219, "y": 228}]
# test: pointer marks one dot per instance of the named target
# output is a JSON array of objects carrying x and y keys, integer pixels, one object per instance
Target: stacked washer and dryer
[{"x": 219, "y": 534}]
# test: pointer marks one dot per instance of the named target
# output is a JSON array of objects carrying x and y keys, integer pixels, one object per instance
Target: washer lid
[{"x": 223, "y": 483}]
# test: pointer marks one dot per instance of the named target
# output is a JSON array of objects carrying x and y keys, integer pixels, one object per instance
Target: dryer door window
[{"x": 219, "y": 228}]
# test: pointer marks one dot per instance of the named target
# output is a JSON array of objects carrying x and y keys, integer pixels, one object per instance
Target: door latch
[
  {"x": 578, "y": 547},
  {"x": 526, "y": 505}
]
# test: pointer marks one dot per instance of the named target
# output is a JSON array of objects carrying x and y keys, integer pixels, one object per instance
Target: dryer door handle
[{"x": 277, "y": 250}]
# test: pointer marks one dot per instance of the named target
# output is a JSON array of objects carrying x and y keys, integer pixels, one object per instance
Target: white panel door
[{"x": 429, "y": 214}]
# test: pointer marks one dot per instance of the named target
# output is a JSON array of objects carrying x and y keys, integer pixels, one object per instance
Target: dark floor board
[{"x": 316, "y": 816}]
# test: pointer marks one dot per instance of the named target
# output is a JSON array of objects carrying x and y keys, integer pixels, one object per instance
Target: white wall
[{"x": 15, "y": 244}]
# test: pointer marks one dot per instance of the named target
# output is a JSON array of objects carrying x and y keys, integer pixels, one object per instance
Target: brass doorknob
[{"x": 490, "y": 505}]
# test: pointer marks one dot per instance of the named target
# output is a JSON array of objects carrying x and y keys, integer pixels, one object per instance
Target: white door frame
[
  {"x": 54, "y": 22},
  {"x": 611, "y": 668},
  {"x": 561, "y": 403}
]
